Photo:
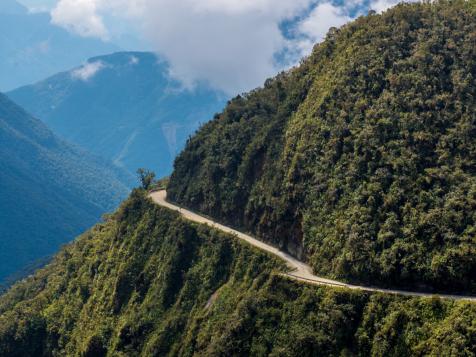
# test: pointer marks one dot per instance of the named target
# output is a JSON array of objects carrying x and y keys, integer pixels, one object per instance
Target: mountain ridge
[
  {"x": 32, "y": 48},
  {"x": 123, "y": 107},
  {"x": 360, "y": 160},
  {"x": 44, "y": 177}
]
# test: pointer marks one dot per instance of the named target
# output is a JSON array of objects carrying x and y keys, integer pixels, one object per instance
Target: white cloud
[
  {"x": 88, "y": 71},
  {"x": 81, "y": 17},
  {"x": 315, "y": 27},
  {"x": 230, "y": 44},
  {"x": 382, "y": 5}
]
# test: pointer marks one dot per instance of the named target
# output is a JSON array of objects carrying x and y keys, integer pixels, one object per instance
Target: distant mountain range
[
  {"x": 50, "y": 191},
  {"x": 361, "y": 162},
  {"x": 123, "y": 107},
  {"x": 31, "y": 48}
]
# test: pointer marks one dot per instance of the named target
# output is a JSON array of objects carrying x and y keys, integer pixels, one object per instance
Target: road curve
[{"x": 298, "y": 270}]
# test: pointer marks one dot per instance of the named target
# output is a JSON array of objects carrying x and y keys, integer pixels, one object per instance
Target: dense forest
[
  {"x": 362, "y": 160},
  {"x": 145, "y": 282},
  {"x": 50, "y": 191}
]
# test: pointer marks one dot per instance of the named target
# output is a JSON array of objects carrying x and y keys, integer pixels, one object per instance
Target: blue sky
[{"x": 39, "y": 4}]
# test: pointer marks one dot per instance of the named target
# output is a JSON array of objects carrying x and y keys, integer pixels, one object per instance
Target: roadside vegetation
[
  {"x": 362, "y": 160},
  {"x": 147, "y": 283}
]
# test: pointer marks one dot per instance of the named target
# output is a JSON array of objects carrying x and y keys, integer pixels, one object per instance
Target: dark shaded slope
[
  {"x": 49, "y": 191},
  {"x": 362, "y": 159}
]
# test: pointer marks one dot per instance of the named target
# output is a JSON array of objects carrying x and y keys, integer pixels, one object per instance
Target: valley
[{"x": 330, "y": 211}]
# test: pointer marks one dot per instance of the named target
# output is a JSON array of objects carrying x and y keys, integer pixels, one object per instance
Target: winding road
[{"x": 298, "y": 270}]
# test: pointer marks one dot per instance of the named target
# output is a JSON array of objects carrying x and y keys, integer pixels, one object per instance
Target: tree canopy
[{"x": 362, "y": 160}]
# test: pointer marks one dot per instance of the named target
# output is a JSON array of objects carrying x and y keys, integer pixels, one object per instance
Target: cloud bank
[{"x": 230, "y": 44}]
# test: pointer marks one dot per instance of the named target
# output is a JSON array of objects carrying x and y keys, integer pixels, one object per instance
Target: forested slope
[
  {"x": 50, "y": 191},
  {"x": 147, "y": 283},
  {"x": 362, "y": 160}
]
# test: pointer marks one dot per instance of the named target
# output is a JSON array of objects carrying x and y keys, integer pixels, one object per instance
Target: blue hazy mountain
[
  {"x": 50, "y": 191},
  {"x": 31, "y": 48},
  {"x": 123, "y": 107}
]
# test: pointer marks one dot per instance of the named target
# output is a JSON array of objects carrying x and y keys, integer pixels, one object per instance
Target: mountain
[
  {"x": 360, "y": 161},
  {"x": 49, "y": 191},
  {"x": 123, "y": 107},
  {"x": 147, "y": 283},
  {"x": 31, "y": 48},
  {"x": 362, "y": 156}
]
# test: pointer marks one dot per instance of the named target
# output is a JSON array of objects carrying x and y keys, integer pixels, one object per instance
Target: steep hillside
[
  {"x": 123, "y": 107},
  {"x": 146, "y": 283},
  {"x": 362, "y": 160},
  {"x": 49, "y": 191},
  {"x": 31, "y": 48}
]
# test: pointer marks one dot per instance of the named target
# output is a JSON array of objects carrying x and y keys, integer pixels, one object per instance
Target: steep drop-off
[
  {"x": 147, "y": 283},
  {"x": 50, "y": 191},
  {"x": 362, "y": 160}
]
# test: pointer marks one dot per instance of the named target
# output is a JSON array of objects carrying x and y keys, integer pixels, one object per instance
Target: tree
[{"x": 146, "y": 178}]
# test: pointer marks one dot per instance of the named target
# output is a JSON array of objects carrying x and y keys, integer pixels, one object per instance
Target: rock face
[
  {"x": 361, "y": 159},
  {"x": 50, "y": 191},
  {"x": 123, "y": 107}
]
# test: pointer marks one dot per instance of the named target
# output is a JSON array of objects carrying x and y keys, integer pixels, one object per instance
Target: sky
[{"x": 232, "y": 45}]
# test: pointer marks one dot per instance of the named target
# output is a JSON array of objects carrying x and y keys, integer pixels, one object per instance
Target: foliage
[
  {"x": 147, "y": 283},
  {"x": 362, "y": 160},
  {"x": 160, "y": 184},
  {"x": 146, "y": 178},
  {"x": 50, "y": 191}
]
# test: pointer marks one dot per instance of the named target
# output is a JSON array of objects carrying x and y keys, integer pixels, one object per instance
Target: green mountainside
[
  {"x": 362, "y": 160},
  {"x": 50, "y": 191},
  {"x": 147, "y": 283}
]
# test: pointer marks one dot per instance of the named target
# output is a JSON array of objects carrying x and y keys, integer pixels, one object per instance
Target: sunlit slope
[{"x": 362, "y": 160}]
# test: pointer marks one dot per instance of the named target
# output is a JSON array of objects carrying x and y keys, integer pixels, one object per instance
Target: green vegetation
[
  {"x": 146, "y": 178},
  {"x": 50, "y": 191},
  {"x": 147, "y": 283},
  {"x": 362, "y": 160}
]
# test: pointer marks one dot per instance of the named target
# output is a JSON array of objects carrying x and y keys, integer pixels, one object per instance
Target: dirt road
[{"x": 298, "y": 270}]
